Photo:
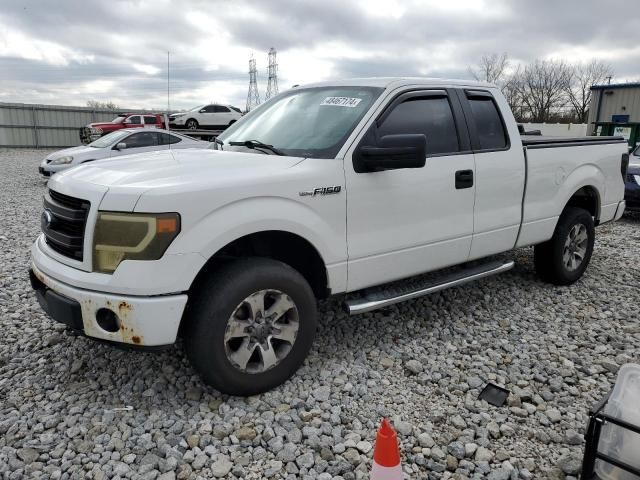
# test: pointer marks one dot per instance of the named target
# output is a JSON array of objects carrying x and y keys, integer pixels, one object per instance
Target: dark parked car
[{"x": 632, "y": 184}]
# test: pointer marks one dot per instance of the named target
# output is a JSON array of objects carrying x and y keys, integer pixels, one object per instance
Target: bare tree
[
  {"x": 512, "y": 90},
  {"x": 578, "y": 90},
  {"x": 107, "y": 105},
  {"x": 542, "y": 88},
  {"x": 491, "y": 68}
]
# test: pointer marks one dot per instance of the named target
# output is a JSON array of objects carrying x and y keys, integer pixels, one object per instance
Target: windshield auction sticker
[{"x": 349, "y": 102}]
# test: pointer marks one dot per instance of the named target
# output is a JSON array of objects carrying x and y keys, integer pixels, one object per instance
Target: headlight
[
  {"x": 637, "y": 179},
  {"x": 62, "y": 160},
  {"x": 131, "y": 236}
]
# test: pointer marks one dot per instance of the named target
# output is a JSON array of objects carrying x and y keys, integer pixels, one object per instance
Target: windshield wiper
[{"x": 256, "y": 144}]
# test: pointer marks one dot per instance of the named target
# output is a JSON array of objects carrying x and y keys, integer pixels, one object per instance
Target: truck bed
[{"x": 538, "y": 141}]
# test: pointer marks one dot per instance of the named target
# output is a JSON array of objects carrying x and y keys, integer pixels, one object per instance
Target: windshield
[
  {"x": 196, "y": 108},
  {"x": 109, "y": 139},
  {"x": 118, "y": 120},
  {"x": 636, "y": 152},
  {"x": 311, "y": 122}
]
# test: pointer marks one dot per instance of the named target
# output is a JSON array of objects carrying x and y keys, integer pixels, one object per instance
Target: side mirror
[
  {"x": 202, "y": 111},
  {"x": 392, "y": 152},
  {"x": 121, "y": 146}
]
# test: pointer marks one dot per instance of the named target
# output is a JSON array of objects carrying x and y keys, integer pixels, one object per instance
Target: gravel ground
[{"x": 72, "y": 408}]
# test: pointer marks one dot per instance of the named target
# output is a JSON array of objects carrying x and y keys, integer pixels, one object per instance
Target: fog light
[{"x": 107, "y": 320}]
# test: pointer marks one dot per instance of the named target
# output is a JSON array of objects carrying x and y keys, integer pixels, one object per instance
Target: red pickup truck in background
[{"x": 93, "y": 131}]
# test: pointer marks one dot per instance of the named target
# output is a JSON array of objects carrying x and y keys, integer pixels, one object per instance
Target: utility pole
[
  {"x": 272, "y": 86},
  {"x": 253, "y": 97}
]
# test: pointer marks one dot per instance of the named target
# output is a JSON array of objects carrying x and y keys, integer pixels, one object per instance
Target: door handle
[{"x": 464, "y": 179}]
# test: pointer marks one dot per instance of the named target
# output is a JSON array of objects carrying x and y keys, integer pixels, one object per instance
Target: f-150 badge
[{"x": 321, "y": 191}]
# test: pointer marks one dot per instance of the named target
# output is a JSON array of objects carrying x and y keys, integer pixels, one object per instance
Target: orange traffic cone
[{"x": 386, "y": 454}]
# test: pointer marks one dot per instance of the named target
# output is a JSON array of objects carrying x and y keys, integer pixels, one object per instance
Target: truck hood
[{"x": 126, "y": 178}]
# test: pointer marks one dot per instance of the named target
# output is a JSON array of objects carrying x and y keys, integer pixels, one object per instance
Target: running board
[{"x": 386, "y": 297}]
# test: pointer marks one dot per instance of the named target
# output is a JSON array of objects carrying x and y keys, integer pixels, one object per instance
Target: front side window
[
  {"x": 308, "y": 122},
  {"x": 142, "y": 139},
  {"x": 431, "y": 116},
  {"x": 167, "y": 139},
  {"x": 134, "y": 120},
  {"x": 491, "y": 133},
  {"x": 220, "y": 109},
  {"x": 209, "y": 109}
]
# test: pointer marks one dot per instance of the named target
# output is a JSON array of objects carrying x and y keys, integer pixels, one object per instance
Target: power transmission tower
[
  {"x": 253, "y": 97},
  {"x": 272, "y": 86}
]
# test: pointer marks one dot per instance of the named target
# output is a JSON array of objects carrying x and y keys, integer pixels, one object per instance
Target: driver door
[
  {"x": 145, "y": 141},
  {"x": 402, "y": 222},
  {"x": 134, "y": 121}
]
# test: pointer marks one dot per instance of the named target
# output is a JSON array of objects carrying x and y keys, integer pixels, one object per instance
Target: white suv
[{"x": 206, "y": 116}]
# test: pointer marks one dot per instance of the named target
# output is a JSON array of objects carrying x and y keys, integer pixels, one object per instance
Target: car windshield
[
  {"x": 118, "y": 120},
  {"x": 196, "y": 108},
  {"x": 109, "y": 139},
  {"x": 311, "y": 122}
]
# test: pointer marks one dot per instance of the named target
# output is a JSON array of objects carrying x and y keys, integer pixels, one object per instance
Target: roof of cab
[{"x": 394, "y": 82}]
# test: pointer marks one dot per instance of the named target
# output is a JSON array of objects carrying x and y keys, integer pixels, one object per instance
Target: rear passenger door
[
  {"x": 223, "y": 116},
  {"x": 408, "y": 221},
  {"x": 500, "y": 172},
  {"x": 150, "y": 121}
]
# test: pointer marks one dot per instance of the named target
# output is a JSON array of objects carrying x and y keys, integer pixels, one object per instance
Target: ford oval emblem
[{"x": 46, "y": 219}]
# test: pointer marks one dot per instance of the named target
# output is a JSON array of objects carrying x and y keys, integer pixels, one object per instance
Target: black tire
[
  {"x": 216, "y": 302},
  {"x": 549, "y": 257},
  {"x": 191, "y": 124}
]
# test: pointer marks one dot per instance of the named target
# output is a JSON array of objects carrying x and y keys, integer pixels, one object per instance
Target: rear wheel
[
  {"x": 563, "y": 259},
  {"x": 191, "y": 124},
  {"x": 251, "y": 326}
]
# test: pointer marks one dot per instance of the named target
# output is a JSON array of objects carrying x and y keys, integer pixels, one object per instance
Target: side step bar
[{"x": 384, "y": 298}]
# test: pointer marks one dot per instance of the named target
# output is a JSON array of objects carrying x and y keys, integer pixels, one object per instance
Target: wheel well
[
  {"x": 587, "y": 198},
  {"x": 286, "y": 247}
]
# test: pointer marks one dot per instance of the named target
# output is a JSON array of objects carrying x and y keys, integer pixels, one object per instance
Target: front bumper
[{"x": 142, "y": 321}]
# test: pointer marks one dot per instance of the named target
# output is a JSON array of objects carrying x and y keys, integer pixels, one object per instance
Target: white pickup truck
[{"x": 334, "y": 188}]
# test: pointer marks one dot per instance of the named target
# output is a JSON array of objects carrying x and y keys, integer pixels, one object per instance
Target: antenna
[
  {"x": 272, "y": 86},
  {"x": 166, "y": 117},
  {"x": 253, "y": 97}
]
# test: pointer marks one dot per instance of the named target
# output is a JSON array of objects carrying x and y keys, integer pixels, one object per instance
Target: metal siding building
[
  {"x": 615, "y": 110},
  {"x": 48, "y": 126}
]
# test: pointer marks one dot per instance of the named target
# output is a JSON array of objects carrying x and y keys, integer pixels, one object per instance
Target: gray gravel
[{"x": 64, "y": 399}]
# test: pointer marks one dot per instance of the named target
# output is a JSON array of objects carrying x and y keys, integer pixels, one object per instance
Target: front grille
[{"x": 63, "y": 223}]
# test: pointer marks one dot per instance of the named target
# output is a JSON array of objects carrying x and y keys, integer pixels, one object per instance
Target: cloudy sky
[{"x": 71, "y": 51}]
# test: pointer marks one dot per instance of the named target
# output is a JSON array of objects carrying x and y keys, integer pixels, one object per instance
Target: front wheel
[
  {"x": 251, "y": 326},
  {"x": 191, "y": 124},
  {"x": 563, "y": 259}
]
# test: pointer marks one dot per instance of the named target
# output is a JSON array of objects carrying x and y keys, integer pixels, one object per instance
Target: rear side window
[
  {"x": 150, "y": 120},
  {"x": 220, "y": 109},
  {"x": 166, "y": 139},
  {"x": 431, "y": 116},
  {"x": 491, "y": 133}
]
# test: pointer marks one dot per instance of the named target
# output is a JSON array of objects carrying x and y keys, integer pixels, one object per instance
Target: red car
[{"x": 93, "y": 131}]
